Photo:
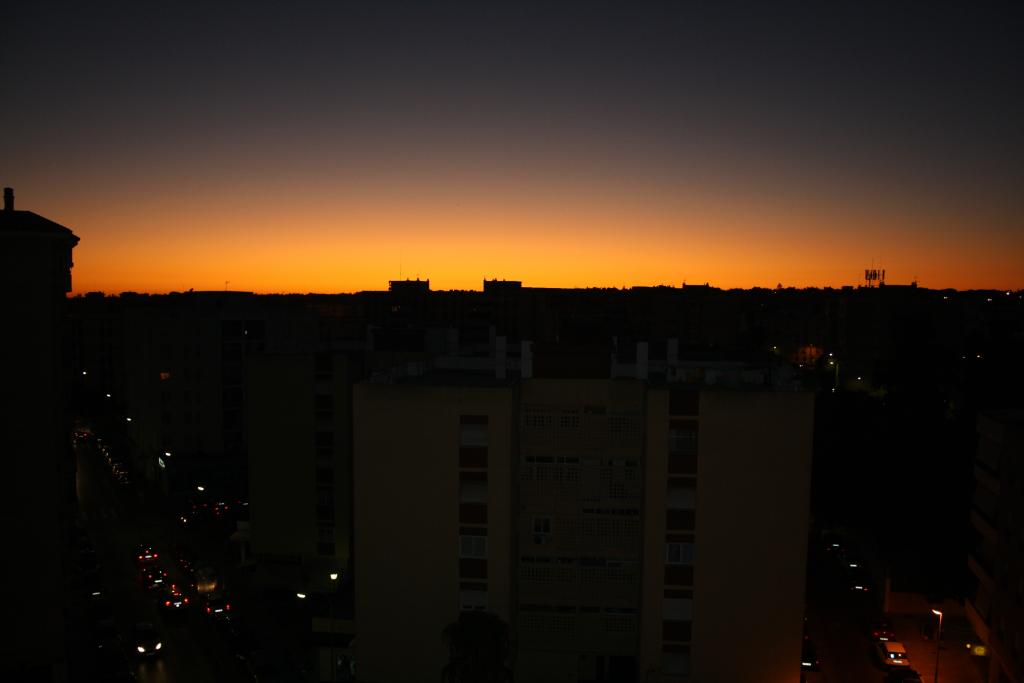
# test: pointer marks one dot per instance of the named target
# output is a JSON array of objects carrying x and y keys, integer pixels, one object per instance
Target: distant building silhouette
[{"x": 38, "y": 507}]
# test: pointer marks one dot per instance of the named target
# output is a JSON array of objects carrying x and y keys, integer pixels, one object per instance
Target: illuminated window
[{"x": 165, "y": 376}]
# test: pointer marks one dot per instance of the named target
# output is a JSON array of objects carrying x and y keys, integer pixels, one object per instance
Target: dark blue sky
[{"x": 839, "y": 102}]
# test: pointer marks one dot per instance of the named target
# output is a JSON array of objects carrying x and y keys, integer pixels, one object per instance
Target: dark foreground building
[{"x": 38, "y": 504}]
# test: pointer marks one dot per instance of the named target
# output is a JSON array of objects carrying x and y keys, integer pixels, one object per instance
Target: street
[{"x": 193, "y": 649}]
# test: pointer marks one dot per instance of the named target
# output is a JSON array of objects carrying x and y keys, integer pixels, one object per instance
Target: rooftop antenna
[{"x": 226, "y": 283}]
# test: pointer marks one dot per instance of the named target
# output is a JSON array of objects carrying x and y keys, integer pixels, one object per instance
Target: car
[
  {"x": 147, "y": 640},
  {"x": 146, "y": 554},
  {"x": 903, "y": 676},
  {"x": 111, "y": 665},
  {"x": 891, "y": 654},
  {"x": 100, "y": 609},
  {"x": 173, "y": 599},
  {"x": 154, "y": 578},
  {"x": 88, "y": 565},
  {"x": 185, "y": 558},
  {"x": 809, "y": 656},
  {"x": 92, "y": 588},
  {"x": 833, "y": 543},
  {"x": 217, "y": 607},
  {"x": 881, "y": 630},
  {"x": 858, "y": 580},
  {"x": 105, "y": 635}
]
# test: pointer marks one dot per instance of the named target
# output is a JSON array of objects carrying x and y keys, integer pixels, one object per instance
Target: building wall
[
  {"x": 754, "y": 469},
  {"x": 581, "y": 490},
  {"x": 408, "y": 466},
  {"x": 37, "y": 508},
  {"x": 996, "y": 607},
  {"x": 300, "y": 463}
]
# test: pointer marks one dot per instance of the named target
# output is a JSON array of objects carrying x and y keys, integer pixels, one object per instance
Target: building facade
[
  {"x": 995, "y": 605},
  {"x": 38, "y": 509},
  {"x": 626, "y": 530}
]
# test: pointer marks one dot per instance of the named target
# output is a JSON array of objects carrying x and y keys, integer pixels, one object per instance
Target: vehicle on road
[
  {"x": 111, "y": 665},
  {"x": 881, "y": 630},
  {"x": 891, "y": 654},
  {"x": 217, "y": 607},
  {"x": 147, "y": 640},
  {"x": 173, "y": 599},
  {"x": 858, "y": 580},
  {"x": 146, "y": 554},
  {"x": 105, "y": 635},
  {"x": 154, "y": 578},
  {"x": 809, "y": 656}
]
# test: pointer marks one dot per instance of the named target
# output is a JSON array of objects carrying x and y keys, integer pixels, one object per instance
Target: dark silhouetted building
[
  {"x": 996, "y": 607},
  {"x": 37, "y": 509}
]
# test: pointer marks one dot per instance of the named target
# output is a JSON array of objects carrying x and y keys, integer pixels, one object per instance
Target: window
[
  {"x": 679, "y": 553},
  {"x": 682, "y": 437},
  {"x": 324, "y": 475},
  {"x": 323, "y": 406},
  {"x": 675, "y": 663},
  {"x": 473, "y": 430},
  {"x": 541, "y": 525},
  {"x": 472, "y": 600},
  {"x": 682, "y": 495},
  {"x": 473, "y": 547},
  {"x": 473, "y": 491},
  {"x": 677, "y": 609}
]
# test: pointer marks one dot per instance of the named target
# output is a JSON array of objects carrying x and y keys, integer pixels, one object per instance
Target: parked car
[
  {"x": 891, "y": 654},
  {"x": 858, "y": 580},
  {"x": 809, "y": 656},
  {"x": 881, "y": 630}
]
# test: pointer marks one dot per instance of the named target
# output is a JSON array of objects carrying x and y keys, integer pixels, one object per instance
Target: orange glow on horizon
[{"x": 352, "y": 244}]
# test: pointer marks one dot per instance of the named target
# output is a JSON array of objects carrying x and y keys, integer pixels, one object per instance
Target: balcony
[
  {"x": 986, "y": 477},
  {"x": 978, "y": 565},
  {"x": 984, "y": 525}
]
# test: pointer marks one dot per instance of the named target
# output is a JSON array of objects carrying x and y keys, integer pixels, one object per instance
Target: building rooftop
[{"x": 27, "y": 221}]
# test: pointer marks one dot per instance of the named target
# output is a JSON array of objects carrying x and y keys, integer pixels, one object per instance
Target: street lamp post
[{"x": 938, "y": 643}]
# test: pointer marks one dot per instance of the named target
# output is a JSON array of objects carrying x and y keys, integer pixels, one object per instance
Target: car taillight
[
  {"x": 140, "y": 557},
  {"x": 186, "y": 601},
  {"x": 227, "y": 606},
  {"x": 156, "y": 555},
  {"x": 167, "y": 603},
  {"x": 207, "y": 610}
]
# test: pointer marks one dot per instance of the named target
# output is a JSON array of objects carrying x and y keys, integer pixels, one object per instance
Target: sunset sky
[{"x": 330, "y": 147}]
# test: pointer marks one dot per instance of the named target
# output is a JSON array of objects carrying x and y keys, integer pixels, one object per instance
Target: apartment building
[
  {"x": 38, "y": 506},
  {"x": 995, "y": 605},
  {"x": 300, "y": 467},
  {"x": 626, "y": 529}
]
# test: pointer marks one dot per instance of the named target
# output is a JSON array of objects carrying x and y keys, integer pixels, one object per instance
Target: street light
[
  {"x": 334, "y": 576},
  {"x": 200, "y": 488},
  {"x": 938, "y": 643},
  {"x": 300, "y": 596}
]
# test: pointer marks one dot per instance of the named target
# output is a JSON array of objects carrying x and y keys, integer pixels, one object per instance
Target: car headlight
[
  {"x": 140, "y": 648},
  {"x": 159, "y": 645}
]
